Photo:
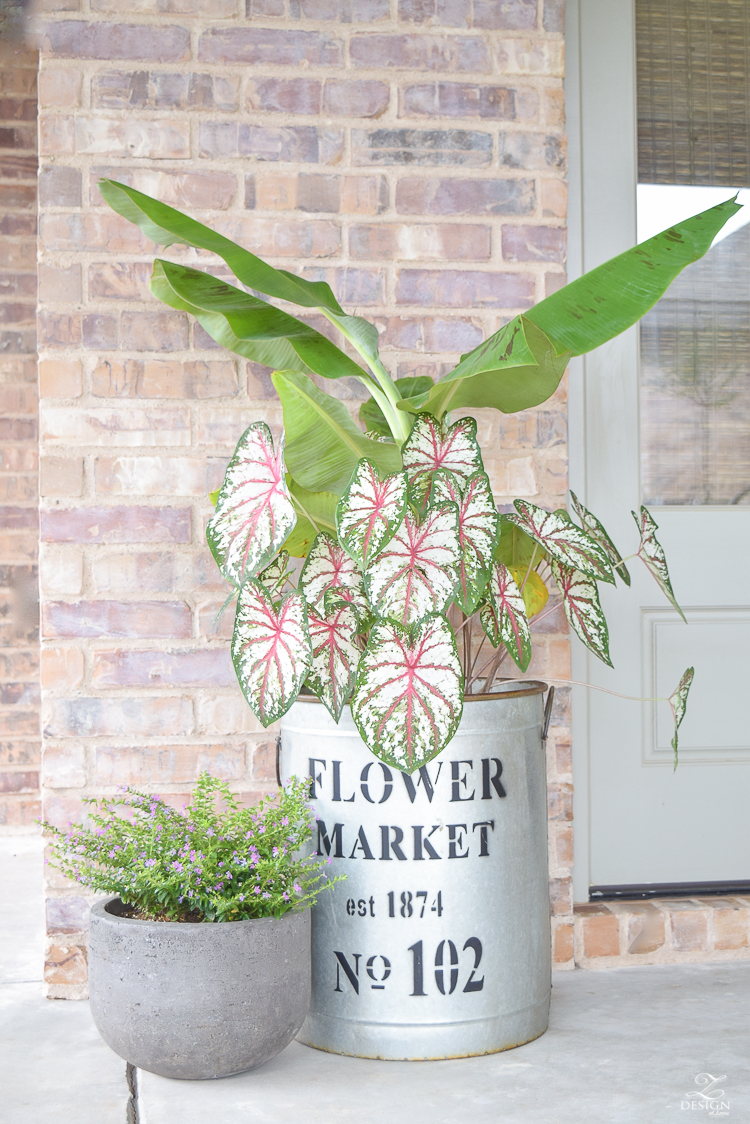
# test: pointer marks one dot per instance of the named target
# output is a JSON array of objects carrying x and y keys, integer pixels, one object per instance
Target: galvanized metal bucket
[{"x": 437, "y": 945}]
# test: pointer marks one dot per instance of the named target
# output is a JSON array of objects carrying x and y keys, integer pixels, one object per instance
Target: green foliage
[{"x": 202, "y": 864}]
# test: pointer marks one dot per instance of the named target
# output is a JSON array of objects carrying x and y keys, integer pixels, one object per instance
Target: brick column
[
  {"x": 413, "y": 155},
  {"x": 19, "y": 662}
]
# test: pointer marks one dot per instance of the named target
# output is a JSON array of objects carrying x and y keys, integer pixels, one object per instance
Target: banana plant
[{"x": 409, "y": 569}]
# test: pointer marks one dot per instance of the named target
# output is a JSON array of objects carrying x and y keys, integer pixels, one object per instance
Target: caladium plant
[{"x": 405, "y": 551}]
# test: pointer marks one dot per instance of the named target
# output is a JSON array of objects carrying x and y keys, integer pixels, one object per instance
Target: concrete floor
[{"x": 624, "y": 1047}]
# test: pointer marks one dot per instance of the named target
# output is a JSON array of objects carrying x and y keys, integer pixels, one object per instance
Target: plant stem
[{"x": 594, "y": 687}]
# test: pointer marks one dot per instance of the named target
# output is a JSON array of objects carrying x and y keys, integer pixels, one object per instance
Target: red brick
[
  {"x": 16, "y": 313},
  {"x": 19, "y": 723},
  {"x": 18, "y": 167},
  {"x": 164, "y": 378},
  {"x": 445, "y": 13},
  {"x": 60, "y": 186},
  {"x": 60, "y": 378},
  {"x": 415, "y": 147},
  {"x": 17, "y": 812},
  {"x": 278, "y": 238},
  {"x": 18, "y": 109},
  {"x": 20, "y": 753},
  {"x": 154, "y": 331},
  {"x": 167, "y": 764},
  {"x": 15, "y": 225},
  {"x": 211, "y": 625},
  {"x": 451, "y": 288},
  {"x": 532, "y": 151},
  {"x": 65, "y": 966},
  {"x": 343, "y": 11},
  {"x": 58, "y": 283},
  {"x": 689, "y": 927},
  {"x": 346, "y": 98},
  {"x": 154, "y": 619},
  {"x": 61, "y": 668},
  {"x": 107, "y": 232},
  {"x": 18, "y": 488},
  {"x": 196, "y": 667},
  {"x": 17, "y": 136},
  {"x": 303, "y": 192},
  {"x": 148, "y": 90},
  {"x": 352, "y": 285},
  {"x": 284, "y": 95},
  {"x": 19, "y": 782},
  {"x": 61, "y": 88},
  {"x": 59, "y": 329},
  {"x": 384, "y": 241},
  {"x": 459, "y": 99},
  {"x": 201, "y": 190},
  {"x": 505, "y": 15},
  {"x": 416, "y": 196},
  {"x": 17, "y": 518},
  {"x": 17, "y": 196},
  {"x": 155, "y": 572},
  {"x": 116, "y": 524},
  {"x": 119, "y": 280},
  {"x": 420, "y": 52},
  {"x": 150, "y": 476},
  {"x": 76, "y": 39},
  {"x": 561, "y": 896},
  {"x": 57, "y": 136},
  {"x": 126, "y": 426},
  {"x": 157, "y": 140},
  {"x": 534, "y": 243},
  {"x": 560, "y": 801},
  {"x": 67, "y": 915},
  {"x": 601, "y": 936},
  {"x": 99, "y": 332},
  {"x": 267, "y": 47},
  {"x": 64, "y": 766},
  {"x": 119, "y": 717},
  {"x": 562, "y": 950}
]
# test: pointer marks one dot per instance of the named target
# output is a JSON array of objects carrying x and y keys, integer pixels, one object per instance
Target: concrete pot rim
[{"x": 103, "y": 914}]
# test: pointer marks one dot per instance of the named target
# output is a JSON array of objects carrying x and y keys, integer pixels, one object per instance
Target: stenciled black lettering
[
  {"x": 351, "y": 975},
  {"x": 483, "y": 846},
  {"x": 371, "y": 972},
  {"x": 424, "y": 780},
  {"x": 316, "y": 778},
  {"x": 337, "y": 785},
  {"x": 494, "y": 780},
  {"x": 420, "y": 843},
  {"x": 362, "y": 907},
  {"x": 336, "y": 840},
  {"x": 475, "y": 945},
  {"x": 458, "y": 780},
  {"x": 361, "y": 841},
  {"x": 387, "y": 782},
  {"x": 456, "y": 839},
  {"x": 387, "y": 844},
  {"x": 453, "y": 956},
  {"x": 351, "y": 907}
]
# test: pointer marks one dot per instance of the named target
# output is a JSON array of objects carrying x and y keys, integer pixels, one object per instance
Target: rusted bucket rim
[{"x": 525, "y": 687}]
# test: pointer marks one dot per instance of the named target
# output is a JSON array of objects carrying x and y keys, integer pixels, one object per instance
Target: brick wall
[
  {"x": 19, "y": 643},
  {"x": 413, "y": 155}
]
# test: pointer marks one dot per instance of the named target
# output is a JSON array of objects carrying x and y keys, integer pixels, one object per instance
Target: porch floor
[{"x": 623, "y": 1046}]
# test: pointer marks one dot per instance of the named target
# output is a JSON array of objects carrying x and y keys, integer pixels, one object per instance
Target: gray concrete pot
[{"x": 198, "y": 1000}]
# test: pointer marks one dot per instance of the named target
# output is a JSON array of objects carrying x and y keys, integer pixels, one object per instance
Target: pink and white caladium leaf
[
  {"x": 594, "y": 528},
  {"x": 581, "y": 604},
  {"x": 355, "y": 599},
  {"x": 478, "y": 529},
  {"x": 270, "y": 650},
  {"x": 328, "y": 566},
  {"x": 431, "y": 446},
  {"x": 275, "y": 575},
  {"x": 417, "y": 571},
  {"x": 503, "y": 616},
  {"x": 370, "y": 511},
  {"x": 652, "y": 554},
  {"x": 254, "y": 513},
  {"x": 409, "y": 694},
  {"x": 563, "y": 540},
  {"x": 335, "y": 656},
  {"x": 678, "y": 703}
]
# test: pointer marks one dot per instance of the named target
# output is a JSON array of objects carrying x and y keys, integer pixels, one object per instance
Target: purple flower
[{"x": 256, "y": 890}]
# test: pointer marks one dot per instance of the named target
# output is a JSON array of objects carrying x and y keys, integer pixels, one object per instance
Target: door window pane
[{"x": 693, "y": 82}]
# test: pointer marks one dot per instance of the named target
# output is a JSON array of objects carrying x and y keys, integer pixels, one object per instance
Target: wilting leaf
[
  {"x": 316, "y": 512},
  {"x": 275, "y": 575},
  {"x": 594, "y": 528},
  {"x": 254, "y": 513},
  {"x": 327, "y": 566},
  {"x": 323, "y": 445},
  {"x": 369, "y": 511},
  {"x": 373, "y": 418},
  {"x": 678, "y": 703},
  {"x": 431, "y": 446},
  {"x": 581, "y": 604},
  {"x": 652, "y": 554},
  {"x": 563, "y": 540},
  {"x": 335, "y": 656},
  {"x": 416, "y": 572},
  {"x": 515, "y": 547},
  {"x": 503, "y": 616},
  {"x": 409, "y": 694},
  {"x": 478, "y": 524},
  {"x": 270, "y": 650},
  {"x": 531, "y": 587}
]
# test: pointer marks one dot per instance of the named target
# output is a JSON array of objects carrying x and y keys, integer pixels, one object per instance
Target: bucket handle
[
  {"x": 547, "y": 714},
  {"x": 278, "y": 760}
]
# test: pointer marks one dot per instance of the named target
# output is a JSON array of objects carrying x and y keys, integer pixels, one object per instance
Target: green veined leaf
[
  {"x": 533, "y": 590},
  {"x": 478, "y": 528},
  {"x": 355, "y": 598},
  {"x": 270, "y": 650},
  {"x": 515, "y": 547},
  {"x": 607, "y": 300},
  {"x": 335, "y": 656},
  {"x": 324, "y": 445},
  {"x": 316, "y": 512},
  {"x": 515, "y": 368},
  {"x": 373, "y": 418},
  {"x": 678, "y": 703},
  {"x": 369, "y": 511},
  {"x": 417, "y": 571},
  {"x": 408, "y": 698},
  {"x": 254, "y": 513},
  {"x": 594, "y": 528},
  {"x": 431, "y": 446},
  {"x": 503, "y": 616},
  {"x": 249, "y": 326},
  {"x": 164, "y": 225},
  {"x": 652, "y": 555},
  {"x": 581, "y": 604},
  {"x": 274, "y": 576},
  {"x": 562, "y": 539},
  {"x": 214, "y": 497},
  {"x": 327, "y": 566}
]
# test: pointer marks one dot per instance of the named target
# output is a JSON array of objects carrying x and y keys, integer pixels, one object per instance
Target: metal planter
[{"x": 437, "y": 945}]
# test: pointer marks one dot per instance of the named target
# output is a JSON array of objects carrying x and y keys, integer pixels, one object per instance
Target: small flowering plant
[{"x": 202, "y": 864}]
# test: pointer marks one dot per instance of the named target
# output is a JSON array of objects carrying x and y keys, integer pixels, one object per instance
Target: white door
[{"x": 654, "y": 422}]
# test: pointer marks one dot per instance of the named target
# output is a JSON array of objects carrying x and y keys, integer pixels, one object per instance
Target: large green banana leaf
[
  {"x": 323, "y": 445},
  {"x": 316, "y": 511},
  {"x": 247, "y": 325},
  {"x": 607, "y": 300},
  {"x": 414, "y": 387}
]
